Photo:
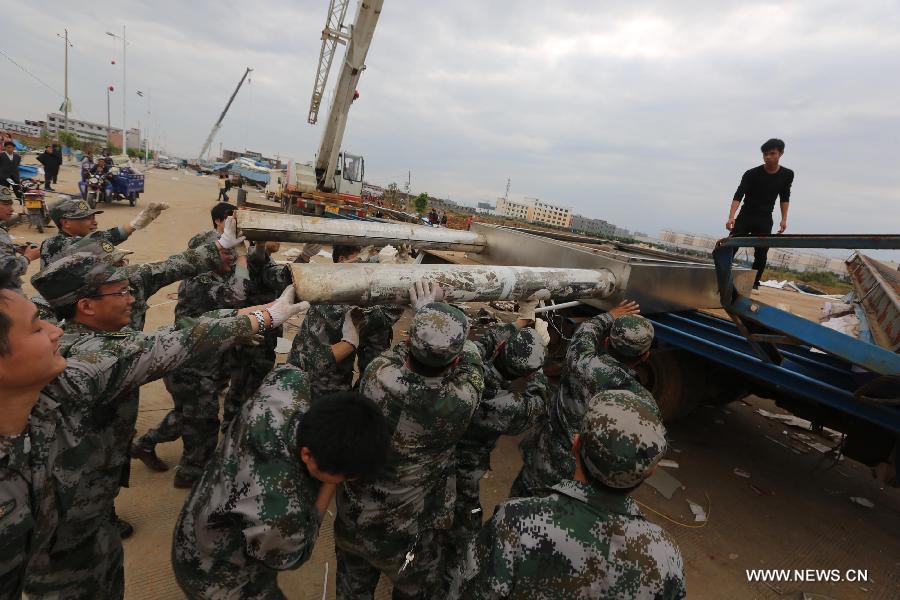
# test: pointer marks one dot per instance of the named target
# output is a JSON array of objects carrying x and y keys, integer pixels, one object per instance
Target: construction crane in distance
[{"x": 215, "y": 128}]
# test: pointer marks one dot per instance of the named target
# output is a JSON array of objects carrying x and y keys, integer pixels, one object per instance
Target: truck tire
[{"x": 673, "y": 378}]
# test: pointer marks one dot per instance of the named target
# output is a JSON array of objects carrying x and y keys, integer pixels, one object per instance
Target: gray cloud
[{"x": 645, "y": 115}]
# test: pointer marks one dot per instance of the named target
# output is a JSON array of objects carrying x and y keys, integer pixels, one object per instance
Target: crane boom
[
  {"x": 334, "y": 33},
  {"x": 218, "y": 124},
  {"x": 361, "y": 33}
]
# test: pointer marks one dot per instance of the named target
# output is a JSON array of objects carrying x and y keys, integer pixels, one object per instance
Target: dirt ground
[{"x": 793, "y": 512}]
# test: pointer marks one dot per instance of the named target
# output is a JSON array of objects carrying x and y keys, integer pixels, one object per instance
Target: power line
[{"x": 32, "y": 75}]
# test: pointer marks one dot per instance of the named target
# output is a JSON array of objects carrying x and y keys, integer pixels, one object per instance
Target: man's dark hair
[
  {"x": 772, "y": 144},
  {"x": 66, "y": 312},
  {"x": 6, "y": 287},
  {"x": 8, "y": 143},
  {"x": 346, "y": 435},
  {"x": 221, "y": 211},
  {"x": 342, "y": 251}
]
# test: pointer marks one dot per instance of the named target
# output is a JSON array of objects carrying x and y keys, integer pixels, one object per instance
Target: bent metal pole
[
  {"x": 277, "y": 227},
  {"x": 365, "y": 284}
]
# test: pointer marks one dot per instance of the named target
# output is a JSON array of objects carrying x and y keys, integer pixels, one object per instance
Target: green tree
[
  {"x": 393, "y": 193},
  {"x": 421, "y": 203},
  {"x": 67, "y": 138}
]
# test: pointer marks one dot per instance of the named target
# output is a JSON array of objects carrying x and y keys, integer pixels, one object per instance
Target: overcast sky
[{"x": 645, "y": 115}]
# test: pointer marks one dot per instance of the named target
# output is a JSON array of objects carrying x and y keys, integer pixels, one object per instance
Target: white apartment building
[
  {"x": 18, "y": 127},
  {"x": 511, "y": 209},
  {"x": 83, "y": 130},
  {"x": 535, "y": 210}
]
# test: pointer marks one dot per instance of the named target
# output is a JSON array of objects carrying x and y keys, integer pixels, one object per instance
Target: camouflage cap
[
  {"x": 631, "y": 335},
  {"x": 621, "y": 439},
  {"x": 76, "y": 276},
  {"x": 437, "y": 334},
  {"x": 6, "y": 195},
  {"x": 72, "y": 208},
  {"x": 523, "y": 353},
  {"x": 97, "y": 245}
]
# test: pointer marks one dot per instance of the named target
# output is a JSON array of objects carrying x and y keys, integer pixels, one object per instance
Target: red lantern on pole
[{"x": 112, "y": 89}]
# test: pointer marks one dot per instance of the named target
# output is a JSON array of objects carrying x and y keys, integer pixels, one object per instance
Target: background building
[
  {"x": 83, "y": 130},
  {"x": 18, "y": 127},
  {"x": 115, "y": 137},
  {"x": 534, "y": 210},
  {"x": 599, "y": 227}
]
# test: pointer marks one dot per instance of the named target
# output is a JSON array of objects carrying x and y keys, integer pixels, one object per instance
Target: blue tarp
[
  {"x": 28, "y": 171},
  {"x": 20, "y": 147}
]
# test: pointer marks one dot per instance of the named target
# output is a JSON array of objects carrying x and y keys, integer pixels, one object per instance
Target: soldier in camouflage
[
  {"x": 251, "y": 363},
  {"x": 13, "y": 258},
  {"x": 75, "y": 219},
  {"x": 513, "y": 358},
  {"x": 195, "y": 389},
  {"x": 587, "y": 538},
  {"x": 601, "y": 356},
  {"x": 322, "y": 328},
  {"x": 145, "y": 280},
  {"x": 53, "y": 453},
  {"x": 257, "y": 508},
  {"x": 427, "y": 387}
]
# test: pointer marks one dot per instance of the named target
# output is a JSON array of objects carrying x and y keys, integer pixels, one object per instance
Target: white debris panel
[{"x": 365, "y": 284}]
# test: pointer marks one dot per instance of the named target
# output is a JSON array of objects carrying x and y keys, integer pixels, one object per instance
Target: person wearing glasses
[{"x": 75, "y": 549}]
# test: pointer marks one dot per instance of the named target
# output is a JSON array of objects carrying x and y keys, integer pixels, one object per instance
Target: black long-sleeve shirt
[{"x": 759, "y": 189}]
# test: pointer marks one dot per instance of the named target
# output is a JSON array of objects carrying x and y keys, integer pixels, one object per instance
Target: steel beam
[
  {"x": 877, "y": 288},
  {"x": 295, "y": 228},
  {"x": 364, "y": 284}
]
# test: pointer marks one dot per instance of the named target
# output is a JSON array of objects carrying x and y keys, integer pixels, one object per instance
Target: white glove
[
  {"x": 387, "y": 255},
  {"x": 403, "y": 253},
  {"x": 349, "y": 331},
  {"x": 540, "y": 326},
  {"x": 286, "y": 307},
  {"x": 422, "y": 293},
  {"x": 146, "y": 216},
  {"x": 229, "y": 238},
  {"x": 526, "y": 309},
  {"x": 309, "y": 250}
]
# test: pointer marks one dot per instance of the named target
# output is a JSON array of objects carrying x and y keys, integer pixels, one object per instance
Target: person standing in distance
[{"x": 759, "y": 188}]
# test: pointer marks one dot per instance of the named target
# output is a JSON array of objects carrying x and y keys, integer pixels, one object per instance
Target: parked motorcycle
[{"x": 35, "y": 205}]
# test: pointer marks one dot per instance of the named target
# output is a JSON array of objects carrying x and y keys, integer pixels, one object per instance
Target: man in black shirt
[{"x": 759, "y": 188}]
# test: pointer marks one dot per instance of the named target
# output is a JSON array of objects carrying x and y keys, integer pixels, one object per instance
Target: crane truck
[{"x": 332, "y": 183}]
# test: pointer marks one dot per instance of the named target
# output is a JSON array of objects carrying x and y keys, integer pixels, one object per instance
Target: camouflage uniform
[
  {"x": 74, "y": 208},
  {"x": 250, "y": 364},
  {"x": 75, "y": 550},
  {"x": 322, "y": 328},
  {"x": 195, "y": 388},
  {"x": 503, "y": 410},
  {"x": 583, "y": 540},
  {"x": 546, "y": 452},
  {"x": 409, "y": 506},
  {"x": 252, "y": 513},
  {"x": 10, "y": 260}
]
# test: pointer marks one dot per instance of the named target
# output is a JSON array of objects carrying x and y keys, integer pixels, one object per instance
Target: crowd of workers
[{"x": 398, "y": 435}]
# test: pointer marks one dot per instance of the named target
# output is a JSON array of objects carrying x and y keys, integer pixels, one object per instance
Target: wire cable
[{"x": 32, "y": 75}]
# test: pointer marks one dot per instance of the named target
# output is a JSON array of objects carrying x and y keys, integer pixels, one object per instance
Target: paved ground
[{"x": 793, "y": 512}]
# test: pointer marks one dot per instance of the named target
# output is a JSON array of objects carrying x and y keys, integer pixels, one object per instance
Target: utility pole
[
  {"x": 66, "y": 44},
  {"x": 124, "y": 88}
]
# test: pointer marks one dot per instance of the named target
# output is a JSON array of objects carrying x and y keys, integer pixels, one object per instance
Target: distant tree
[
  {"x": 67, "y": 138},
  {"x": 421, "y": 203}
]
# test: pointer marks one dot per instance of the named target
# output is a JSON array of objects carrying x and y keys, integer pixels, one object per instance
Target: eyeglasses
[{"x": 127, "y": 291}]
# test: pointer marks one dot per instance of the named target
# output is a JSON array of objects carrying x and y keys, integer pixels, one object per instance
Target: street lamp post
[
  {"x": 66, "y": 42},
  {"x": 109, "y": 89},
  {"x": 124, "y": 88}
]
